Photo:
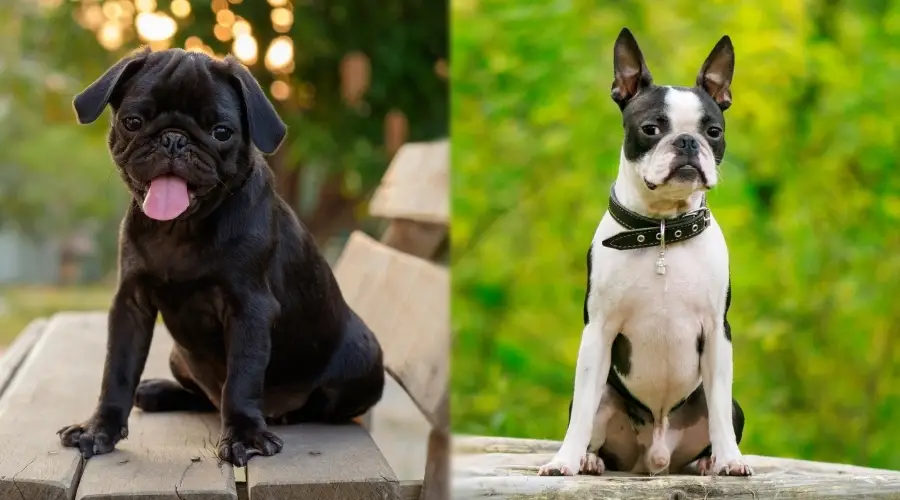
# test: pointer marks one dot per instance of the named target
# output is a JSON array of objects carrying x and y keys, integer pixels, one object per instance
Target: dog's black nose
[
  {"x": 686, "y": 144},
  {"x": 174, "y": 142}
]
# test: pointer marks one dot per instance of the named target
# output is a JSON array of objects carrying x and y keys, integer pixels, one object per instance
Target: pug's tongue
[{"x": 167, "y": 198}]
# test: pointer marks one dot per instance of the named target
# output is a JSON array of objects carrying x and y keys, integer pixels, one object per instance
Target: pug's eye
[
  {"x": 221, "y": 133},
  {"x": 132, "y": 123},
  {"x": 714, "y": 132},
  {"x": 650, "y": 130}
]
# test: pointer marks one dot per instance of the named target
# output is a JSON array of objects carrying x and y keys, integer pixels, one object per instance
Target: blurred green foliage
[{"x": 809, "y": 202}]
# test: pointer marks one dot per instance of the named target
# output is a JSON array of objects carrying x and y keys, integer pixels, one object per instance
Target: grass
[{"x": 20, "y": 305}]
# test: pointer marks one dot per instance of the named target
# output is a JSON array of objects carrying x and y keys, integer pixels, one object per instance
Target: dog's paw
[
  {"x": 558, "y": 467},
  {"x": 592, "y": 465},
  {"x": 96, "y": 436},
  {"x": 238, "y": 445},
  {"x": 709, "y": 466},
  {"x": 704, "y": 466}
]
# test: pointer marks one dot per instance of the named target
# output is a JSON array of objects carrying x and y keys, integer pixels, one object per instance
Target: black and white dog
[{"x": 654, "y": 371}]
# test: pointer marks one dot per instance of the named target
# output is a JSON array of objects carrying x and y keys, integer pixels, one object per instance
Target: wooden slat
[
  {"x": 437, "y": 470},
  {"x": 323, "y": 462},
  {"x": 410, "y": 490},
  {"x": 167, "y": 455},
  {"x": 58, "y": 385},
  {"x": 416, "y": 186},
  {"x": 420, "y": 239},
  {"x": 14, "y": 355},
  {"x": 496, "y": 468},
  {"x": 406, "y": 302}
]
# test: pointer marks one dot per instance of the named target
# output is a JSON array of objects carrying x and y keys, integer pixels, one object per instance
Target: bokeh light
[
  {"x": 110, "y": 36},
  {"x": 280, "y": 90},
  {"x": 155, "y": 26},
  {"x": 145, "y": 5},
  {"x": 280, "y": 55},
  {"x": 241, "y": 27},
  {"x": 245, "y": 48},
  {"x": 180, "y": 8},
  {"x": 111, "y": 22},
  {"x": 225, "y": 17},
  {"x": 282, "y": 19}
]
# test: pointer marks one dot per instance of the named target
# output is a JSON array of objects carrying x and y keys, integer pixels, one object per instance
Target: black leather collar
[{"x": 644, "y": 232}]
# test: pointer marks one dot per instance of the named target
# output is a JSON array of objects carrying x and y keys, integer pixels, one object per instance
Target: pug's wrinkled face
[{"x": 183, "y": 127}]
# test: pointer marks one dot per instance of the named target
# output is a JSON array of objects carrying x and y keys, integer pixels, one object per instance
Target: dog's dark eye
[
  {"x": 650, "y": 130},
  {"x": 132, "y": 123},
  {"x": 221, "y": 134},
  {"x": 714, "y": 132}
]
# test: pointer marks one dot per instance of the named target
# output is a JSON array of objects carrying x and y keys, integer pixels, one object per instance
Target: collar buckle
[{"x": 707, "y": 214}]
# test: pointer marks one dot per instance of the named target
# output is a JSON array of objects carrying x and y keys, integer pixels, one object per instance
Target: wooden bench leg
[{"x": 436, "y": 485}]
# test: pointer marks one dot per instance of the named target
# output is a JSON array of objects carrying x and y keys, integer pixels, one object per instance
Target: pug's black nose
[
  {"x": 686, "y": 144},
  {"x": 173, "y": 142}
]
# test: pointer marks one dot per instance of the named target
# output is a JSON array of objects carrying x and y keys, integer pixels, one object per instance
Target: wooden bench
[
  {"x": 396, "y": 286},
  {"x": 507, "y": 468},
  {"x": 50, "y": 377}
]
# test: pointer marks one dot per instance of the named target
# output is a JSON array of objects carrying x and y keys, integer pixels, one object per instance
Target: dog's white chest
[{"x": 662, "y": 317}]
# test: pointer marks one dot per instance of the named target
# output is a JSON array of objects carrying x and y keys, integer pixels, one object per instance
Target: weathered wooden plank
[
  {"x": 406, "y": 302},
  {"x": 507, "y": 468},
  {"x": 323, "y": 462},
  {"x": 421, "y": 239},
  {"x": 416, "y": 186},
  {"x": 410, "y": 490},
  {"x": 56, "y": 384},
  {"x": 166, "y": 456},
  {"x": 14, "y": 355},
  {"x": 401, "y": 432},
  {"x": 436, "y": 485}
]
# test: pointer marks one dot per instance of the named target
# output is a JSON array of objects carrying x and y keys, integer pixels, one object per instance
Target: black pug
[{"x": 261, "y": 330}]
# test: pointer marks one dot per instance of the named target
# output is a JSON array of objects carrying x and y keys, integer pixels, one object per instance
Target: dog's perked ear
[
  {"x": 631, "y": 73},
  {"x": 266, "y": 128},
  {"x": 89, "y": 104},
  {"x": 716, "y": 73}
]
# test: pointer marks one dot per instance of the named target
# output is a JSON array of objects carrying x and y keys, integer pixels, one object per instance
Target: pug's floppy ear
[
  {"x": 89, "y": 104},
  {"x": 266, "y": 128},
  {"x": 716, "y": 73}
]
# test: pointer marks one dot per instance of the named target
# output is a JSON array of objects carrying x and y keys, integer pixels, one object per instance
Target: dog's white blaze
[{"x": 684, "y": 110}]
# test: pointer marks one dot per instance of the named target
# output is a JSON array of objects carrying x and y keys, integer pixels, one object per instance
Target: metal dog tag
[{"x": 661, "y": 260}]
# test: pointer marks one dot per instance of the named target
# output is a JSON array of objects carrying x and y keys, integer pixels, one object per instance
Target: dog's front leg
[
  {"x": 717, "y": 374},
  {"x": 591, "y": 371},
  {"x": 249, "y": 341},
  {"x": 130, "y": 331}
]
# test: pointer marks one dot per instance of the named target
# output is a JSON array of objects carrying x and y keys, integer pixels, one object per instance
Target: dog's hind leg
[
  {"x": 352, "y": 382},
  {"x": 613, "y": 444},
  {"x": 704, "y": 462},
  {"x": 159, "y": 394}
]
